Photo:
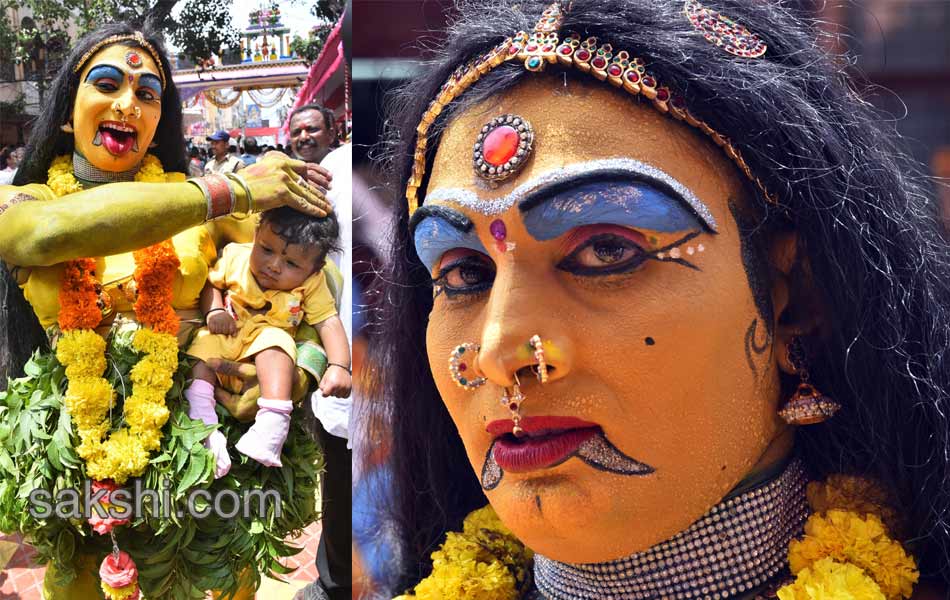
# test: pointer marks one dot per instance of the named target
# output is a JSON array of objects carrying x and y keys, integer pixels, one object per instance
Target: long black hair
[
  {"x": 868, "y": 232},
  {"x": 20, "y": 332}
]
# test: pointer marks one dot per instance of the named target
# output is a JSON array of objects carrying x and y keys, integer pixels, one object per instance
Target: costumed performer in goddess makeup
[{"x": 684, "y": 304}]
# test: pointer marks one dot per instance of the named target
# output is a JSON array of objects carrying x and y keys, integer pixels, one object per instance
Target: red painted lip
[
  {"x": 550, "y": 441},
  {"x": 536, "y": 426}
]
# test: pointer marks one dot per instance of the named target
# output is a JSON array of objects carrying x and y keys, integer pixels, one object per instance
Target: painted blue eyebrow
[
  {"x": 152, "y": 82},
  {"x": 435, "y": 235},
  {"x": 615, "y": 201},
  {"x": 105, "y": 71}
]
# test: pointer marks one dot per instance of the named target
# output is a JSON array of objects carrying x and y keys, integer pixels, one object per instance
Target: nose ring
[
  {"x": 542, "y": 369},
  {"x": 512, "y": 401},
  {"x": 118, "y": 109},
  {"x": 461, "y": 359}
]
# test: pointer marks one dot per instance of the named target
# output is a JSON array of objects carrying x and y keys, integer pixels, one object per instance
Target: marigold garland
[
  {"x": 858, "y": 540},
  {"x": 484, "y": 562},
  {"x": 89, "y": 396},
  {"x": 830, "y": 580}
]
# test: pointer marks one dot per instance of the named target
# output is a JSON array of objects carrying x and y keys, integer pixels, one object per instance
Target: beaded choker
[
  {"x": 86, "y": 172},
  {"x": 738, "y": 546}
]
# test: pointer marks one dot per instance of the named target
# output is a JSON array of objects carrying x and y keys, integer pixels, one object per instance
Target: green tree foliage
[
  {"x": 329, "y": 11},
  {"x": 41, "y": 41},
  {"x": 204, "y": 28}
]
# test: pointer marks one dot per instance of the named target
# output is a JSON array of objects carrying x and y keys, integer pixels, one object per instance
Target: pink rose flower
[
  {"x": 103, "y": 525},
  {"x": 118, "y": 572}
]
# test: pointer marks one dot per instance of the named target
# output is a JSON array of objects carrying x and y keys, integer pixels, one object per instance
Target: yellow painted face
[
  {"x": 617, "y": 245},
  {"x": 118, "y": 106}
]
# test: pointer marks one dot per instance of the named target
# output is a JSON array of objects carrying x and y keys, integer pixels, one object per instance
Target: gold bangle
[{"x": 247, "y": 193}]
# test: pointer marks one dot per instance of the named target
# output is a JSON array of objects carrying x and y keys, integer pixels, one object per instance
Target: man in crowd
[
  {"x": 223, "y": 161},
  {"x": 251, "y": 152},
  {"x": 312, "y": 132}
]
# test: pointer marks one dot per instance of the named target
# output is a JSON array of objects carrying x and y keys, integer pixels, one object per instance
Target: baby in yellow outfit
[{"x": 256, "y": 296}]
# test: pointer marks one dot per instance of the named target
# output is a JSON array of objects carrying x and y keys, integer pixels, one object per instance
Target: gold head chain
[{"x": 543, "y": 46}]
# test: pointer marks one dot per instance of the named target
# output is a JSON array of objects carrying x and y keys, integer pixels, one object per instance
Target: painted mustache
[{"x": 590, "y": 445}]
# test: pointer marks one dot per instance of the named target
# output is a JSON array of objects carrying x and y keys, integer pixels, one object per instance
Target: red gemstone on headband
[
  {"x": 614, "y": 71},
  {"x": 462, "y": 367},
  {"x": 531, "y": 48},
  {"x": 649, "y": 81},
  {"x": 662, "y": 95},
  {"x": 633, "y": 76},
  {"x": 582, "y": 54},
  {"x": 599, "y": 63},
  {"x": 500, "y": 145},
  {"x": 565, "y": 49}
]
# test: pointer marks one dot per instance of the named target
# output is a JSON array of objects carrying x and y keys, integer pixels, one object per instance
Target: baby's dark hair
[{"x": 295, "y": 227}]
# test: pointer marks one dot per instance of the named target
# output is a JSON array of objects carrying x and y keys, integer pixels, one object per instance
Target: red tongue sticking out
[{"x": 117, "y": 143}]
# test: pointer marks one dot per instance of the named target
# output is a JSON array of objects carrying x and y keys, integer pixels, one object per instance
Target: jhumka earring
[
  {"x": 538, "y": 347},
  {"x": 807, "y": 406},
  {"x": 459, "y": 366},
  {"x": 512, "y": 401}
]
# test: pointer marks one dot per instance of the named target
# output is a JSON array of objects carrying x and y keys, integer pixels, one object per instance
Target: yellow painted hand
[{"x": 277, "y": 180}]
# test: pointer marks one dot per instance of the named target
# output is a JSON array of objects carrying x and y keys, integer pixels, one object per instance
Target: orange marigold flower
[{"x": 78, "y": 296}]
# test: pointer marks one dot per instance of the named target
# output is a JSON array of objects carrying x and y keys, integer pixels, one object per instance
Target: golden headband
[
  {"x": 137, "y": 37},
  {"x": 543, "y": 47}
]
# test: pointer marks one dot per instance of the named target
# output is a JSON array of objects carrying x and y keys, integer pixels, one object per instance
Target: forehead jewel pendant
[
  {"x": 133, "y": 59},
  {"x": 502, "y": 147}
]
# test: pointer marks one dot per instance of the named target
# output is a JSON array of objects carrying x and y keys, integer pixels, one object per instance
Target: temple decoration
[{"x": 266, "y": 38}]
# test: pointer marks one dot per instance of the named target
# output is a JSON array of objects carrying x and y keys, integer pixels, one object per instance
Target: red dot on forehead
[
  {"x": 133, "y": 59},
  {"x": 500, "y": 145}
]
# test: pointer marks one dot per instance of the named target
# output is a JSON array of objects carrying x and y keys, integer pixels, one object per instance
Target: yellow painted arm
[{"x": 102, "y": 221}]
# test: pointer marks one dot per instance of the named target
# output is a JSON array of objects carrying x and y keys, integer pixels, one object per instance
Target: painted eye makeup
[
  {"x": 604, "y": 250},
  {"x": 463, "y": 272},
  {"x": 600, "y": 250}
]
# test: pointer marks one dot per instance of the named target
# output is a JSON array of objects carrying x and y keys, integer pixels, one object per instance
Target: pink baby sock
[
  {"x": 200, "y": 396},
  {"x": 265, "y": 439}
]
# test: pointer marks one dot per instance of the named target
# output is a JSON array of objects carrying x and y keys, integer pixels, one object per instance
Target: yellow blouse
[{"x": 195, "y": 250}]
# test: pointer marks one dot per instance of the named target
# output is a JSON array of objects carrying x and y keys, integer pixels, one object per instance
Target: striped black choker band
[
  {"x": 87, "y": 172},
  {"x": 738, "y": 546}
]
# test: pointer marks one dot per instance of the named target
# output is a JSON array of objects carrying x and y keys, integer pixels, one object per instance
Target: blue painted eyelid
[
  {"x": 435, "y": 236},
  {"x": 623, "y": 203},
  {"x": 104, "y": 72},
  {"x": 110, "y": 72},
  {"x": 152, "y": 82}
]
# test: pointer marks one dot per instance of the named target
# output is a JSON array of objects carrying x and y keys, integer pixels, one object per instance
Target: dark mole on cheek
[
  {"x": 723, "y": 468},
  {"x": 649, "y": 341},
  {"x": 537, "y": 501}
]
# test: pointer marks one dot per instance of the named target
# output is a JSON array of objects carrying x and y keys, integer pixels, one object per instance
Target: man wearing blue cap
[{"x": 222, "y": 162}]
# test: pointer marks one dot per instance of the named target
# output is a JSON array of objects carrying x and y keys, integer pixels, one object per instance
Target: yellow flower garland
[
  {"x": 89, "y": 396},
  {"x": 484, "y": 562},
  {"x": 849, "y": 539},
  {"x": 829, "y": 580}
]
